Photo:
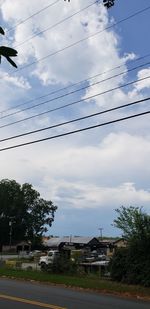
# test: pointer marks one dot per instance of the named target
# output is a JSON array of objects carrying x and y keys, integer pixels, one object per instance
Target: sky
[{"x": 91, "y": 173}]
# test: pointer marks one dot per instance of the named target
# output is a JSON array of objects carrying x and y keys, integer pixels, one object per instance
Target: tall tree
[
  {"x": 132, "y": 264},
  {"x": 134, "y": 223},
  {"x": 23, "y": 208}
]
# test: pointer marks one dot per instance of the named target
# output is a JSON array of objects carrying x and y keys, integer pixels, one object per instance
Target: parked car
[{"x": 35, "y": 253}]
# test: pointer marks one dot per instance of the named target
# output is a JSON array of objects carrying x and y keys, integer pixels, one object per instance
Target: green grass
[{"x": 86, "y": 282}]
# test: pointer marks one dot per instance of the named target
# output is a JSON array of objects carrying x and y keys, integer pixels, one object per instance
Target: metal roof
[{"x": 56, "y": 241}]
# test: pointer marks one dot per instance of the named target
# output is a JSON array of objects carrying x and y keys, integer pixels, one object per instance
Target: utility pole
[{"x": 101, "y": 231}]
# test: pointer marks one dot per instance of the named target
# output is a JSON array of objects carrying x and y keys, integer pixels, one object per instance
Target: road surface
[{"x": 27, "y": 295}]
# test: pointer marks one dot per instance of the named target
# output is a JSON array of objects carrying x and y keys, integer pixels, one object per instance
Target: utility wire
[
  {"x": 76, "y": 119},
  {"x": 80, "y": 41},
  {"x": 75, "y": 91},
  {"x": 73, "y": 85},
  {"x": 55, "y": 25},
  {"x": 31, "y": 16},
  {"x": 76, "y": 131},
  {"x": 75, "y": 102}
]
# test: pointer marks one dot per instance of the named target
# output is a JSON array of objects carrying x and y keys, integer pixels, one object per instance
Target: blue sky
[{"x": 90, "y": 174}]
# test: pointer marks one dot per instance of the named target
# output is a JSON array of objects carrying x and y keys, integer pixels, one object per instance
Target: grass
[{"x": 86, "y": 282}]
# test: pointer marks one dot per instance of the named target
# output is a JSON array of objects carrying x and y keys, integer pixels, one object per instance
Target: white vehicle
[
  {"x": 47, "y": 260},
  {"x": 34, "y": 253}
]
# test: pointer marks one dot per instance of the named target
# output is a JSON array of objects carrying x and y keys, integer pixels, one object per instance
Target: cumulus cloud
[
  {"x": 19, "y": 82},
  {"x": 94, "y": 55},
  {"x": 64, "y": 171},
  {"x": 145, "y": 83},
  {"x": 91, "y": 170},
  {"x": 82, "y": 196}
]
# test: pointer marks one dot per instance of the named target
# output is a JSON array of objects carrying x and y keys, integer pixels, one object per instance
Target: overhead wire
[
  {"x": 75, "y": 131},
  {"x": 76, "y": 119},
  {"x": 88, "y": 116},
  {"x": 75, "y": 102},
  {"x": 31, "y": 16},
  {"x": 54, "y": 25},
  {"x": 85, "y": 117},
  {"x": 81, "y": 40},
  {"x": 75, "y": 91},
  {"x": 74, "y": 84}
]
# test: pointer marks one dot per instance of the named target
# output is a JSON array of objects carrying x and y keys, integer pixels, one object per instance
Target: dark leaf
[
  {"x": 11, "y": 62},
  {"x": 8, "y": 51},
  {"x": 2, "y": 31}
]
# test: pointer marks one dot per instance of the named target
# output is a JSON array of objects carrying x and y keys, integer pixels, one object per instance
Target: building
[
  {"x": 108, "y": 246},
  {"x": 72, "y": 242},
  {"x": 17, "y": 247}
]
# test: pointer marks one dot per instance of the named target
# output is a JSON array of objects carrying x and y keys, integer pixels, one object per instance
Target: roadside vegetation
[
  {"x": 128, "y": 272},
  {"x": 132, "y": 264},
  {"x": 88, "y": 281}
]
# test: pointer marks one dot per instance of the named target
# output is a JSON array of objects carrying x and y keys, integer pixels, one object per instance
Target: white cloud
[
  {"x": 99, "y": 168},
  {"x": 81, "y": 196},
  {"x": 68, "y": 173},
  {"x": 145, "y": 83},
  {"x": 14, "y": 81},
  {"x": 94, "y": 55}
]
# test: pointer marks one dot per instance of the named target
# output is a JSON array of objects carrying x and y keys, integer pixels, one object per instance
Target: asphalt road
[{"x": 26, "y": 295}]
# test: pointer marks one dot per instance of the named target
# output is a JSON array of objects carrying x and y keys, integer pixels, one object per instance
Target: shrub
[
  {"x": 63, "y": 265},
  {"x": 130, "y": 265}
]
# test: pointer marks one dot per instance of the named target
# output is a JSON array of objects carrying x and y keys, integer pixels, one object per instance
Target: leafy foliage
[
  {"x": 107, "y": 3},
  {"x": 64, "y": 265},
  {"x": 132, "y": 264},
  {"x": 134, "y": 223},
  {"x": 2, "y": 31},
  {"x": 7, "y": 52},
  {"x": 29, "y": 213}
]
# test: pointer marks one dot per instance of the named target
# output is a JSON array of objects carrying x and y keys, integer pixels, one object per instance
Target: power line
[
  {"x": 75, "y": 91},
  {"x": 75, "y": 102},
  {"x": 80, "y": 41},
  {"x": 73, "y": 85},
  {"x": 76, "y": 131},
  {"x": 31, "y": 16},
  {"x": 56, "y": 24},
  {"x": 76, "y": 119}
]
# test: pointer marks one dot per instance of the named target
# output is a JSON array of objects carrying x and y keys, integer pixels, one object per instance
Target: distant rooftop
[{"x": 56, "y": 241}]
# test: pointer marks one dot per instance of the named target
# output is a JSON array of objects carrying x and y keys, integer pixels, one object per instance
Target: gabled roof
[{"x": 56, "y": 241}]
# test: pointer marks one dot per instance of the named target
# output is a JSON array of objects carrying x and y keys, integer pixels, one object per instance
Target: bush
[
  {"x": 118, "y": 265},
  {"x": 63, "y": 265},
  {"x": 130, "y": 265}
]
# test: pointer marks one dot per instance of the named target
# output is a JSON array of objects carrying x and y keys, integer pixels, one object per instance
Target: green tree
[
  {"x": 132, "y": 265},
  {"x": 134, "y": 223},
  {"x": 29, "y": 214}
]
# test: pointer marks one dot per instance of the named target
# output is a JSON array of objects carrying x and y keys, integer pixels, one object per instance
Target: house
[
  {"x": 120, "y": 243},
  {"x": 72, "y": 242},
  {"x": 17, "y": 247},
  {"x": 105, "y": 246},
  {"x": 108, "y": 246}
]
